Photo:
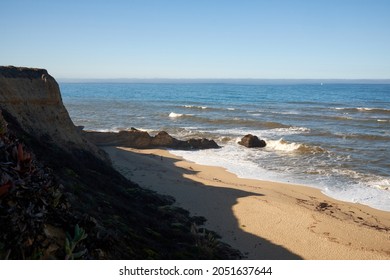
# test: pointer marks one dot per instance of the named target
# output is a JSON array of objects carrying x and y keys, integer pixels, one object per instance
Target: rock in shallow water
[{"x": 252, "y": 141}]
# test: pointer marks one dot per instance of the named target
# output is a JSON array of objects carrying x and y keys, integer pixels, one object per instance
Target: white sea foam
[
  {"x": 231, "y": 109},
  {"x": 364, "y": 109},
  {"x": 196, "y": 107},
  {"x": 360, "y": 193},
  {"x": 143, "y": 129},
  {"x": 233, "y": 158},
  {"x": 368, "y": 109},
  {"x": 282, "y": 145},
  {"x": 106, "y": 130},
  {"x": 381, "y": 183},
  {"x": 264, "y": 133},
  {"x": 245, "y": 164},
  {"x": 291, "y": 130},
  {"x": 175, "y": 115}
]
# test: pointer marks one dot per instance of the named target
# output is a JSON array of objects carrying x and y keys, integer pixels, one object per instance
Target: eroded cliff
[{"x": 33, "y": 97}]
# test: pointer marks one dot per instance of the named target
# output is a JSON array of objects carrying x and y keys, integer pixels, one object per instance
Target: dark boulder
[
  {"x": 202, "y": 144},
  {"x": 252, "y": 141}
]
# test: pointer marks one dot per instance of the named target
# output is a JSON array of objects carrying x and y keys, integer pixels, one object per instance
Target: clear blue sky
[{"x": 198, "y": 39}]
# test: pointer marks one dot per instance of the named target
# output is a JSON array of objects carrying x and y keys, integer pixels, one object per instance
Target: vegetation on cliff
[{"x": 66, "y": 202}]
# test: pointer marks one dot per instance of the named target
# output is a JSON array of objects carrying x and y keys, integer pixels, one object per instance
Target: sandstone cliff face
[{"x": 33, "y": 97}]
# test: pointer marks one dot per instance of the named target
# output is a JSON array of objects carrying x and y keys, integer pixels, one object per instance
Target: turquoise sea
[{"x": 335, "y": 137}]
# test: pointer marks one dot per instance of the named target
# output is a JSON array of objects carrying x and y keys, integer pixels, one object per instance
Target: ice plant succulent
[{"x": 71, "y": 243}]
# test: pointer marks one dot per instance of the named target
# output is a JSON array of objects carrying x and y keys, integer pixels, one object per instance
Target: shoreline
[{"x": 264, "y": 220}]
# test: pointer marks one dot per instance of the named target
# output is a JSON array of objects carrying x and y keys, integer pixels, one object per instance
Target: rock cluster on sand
[
  {"x": 135, "y": 138},
  {"x": 139, "y": 139},
  {"x": 252, "y": 141}
]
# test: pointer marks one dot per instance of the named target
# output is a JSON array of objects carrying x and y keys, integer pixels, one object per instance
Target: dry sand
[{"x": 264, "y": 220}]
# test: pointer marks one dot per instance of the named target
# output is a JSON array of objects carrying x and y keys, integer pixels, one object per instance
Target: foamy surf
[
  {"x": 338, "y": 144},
  {"x": 367, "y": 110},
  {"x": 196, "y": 107},
  {"x": 174, "y": 115},
  {"x": 246, "y": 163},
  {"x": 285, "y": 146}
]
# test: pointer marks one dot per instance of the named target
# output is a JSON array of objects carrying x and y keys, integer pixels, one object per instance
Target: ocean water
[{"x": 335, "y": 137}]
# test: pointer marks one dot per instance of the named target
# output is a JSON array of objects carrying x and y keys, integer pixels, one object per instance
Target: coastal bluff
[
  {"x": 61, "y": 198},
  {"x": 33, "y": 97}
]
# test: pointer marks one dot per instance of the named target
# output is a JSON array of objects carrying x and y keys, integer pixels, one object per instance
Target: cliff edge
[{"x": 33, "y": 97}]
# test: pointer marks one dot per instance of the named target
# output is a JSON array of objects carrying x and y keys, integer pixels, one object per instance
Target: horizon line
[{"x": 224, "y": 80}]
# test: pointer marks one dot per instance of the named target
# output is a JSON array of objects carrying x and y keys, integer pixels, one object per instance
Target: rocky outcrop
[
  {"x": 163, "y": 139},
  {"x": 252, "y": 141},
  {"x": 142, "y": 140},
  {"x": 139, "y": 139},
  {"x": 33, "y": 97}
]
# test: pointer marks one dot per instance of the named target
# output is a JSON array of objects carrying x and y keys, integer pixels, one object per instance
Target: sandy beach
[{"x": 264, "y": 220}]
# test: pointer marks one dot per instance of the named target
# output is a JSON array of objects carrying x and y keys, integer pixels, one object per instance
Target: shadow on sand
[{"x": 214, "y": 202}]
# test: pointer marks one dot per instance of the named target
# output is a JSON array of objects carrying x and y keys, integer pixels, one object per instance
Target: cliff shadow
[{"x": 215, "y": 202}]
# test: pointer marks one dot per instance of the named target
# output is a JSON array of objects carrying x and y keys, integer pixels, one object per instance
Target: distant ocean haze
[{"x": 330, "y": 136}]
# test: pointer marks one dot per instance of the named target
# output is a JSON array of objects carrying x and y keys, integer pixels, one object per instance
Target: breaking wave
[
  {"x": 175, "y": 115},
  {"x": 284, "y": 146},
  {"x": 196, "y": 107},
  {"x": 362, "y": 109}
]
